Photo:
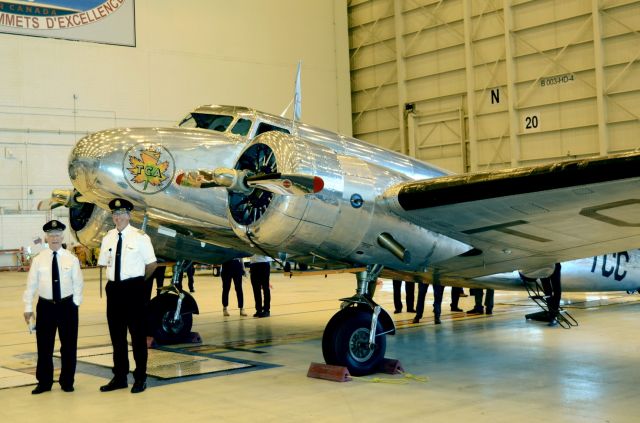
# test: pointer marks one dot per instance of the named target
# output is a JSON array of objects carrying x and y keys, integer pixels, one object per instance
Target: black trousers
[
  {"x": 232, "y": 271},
  {"x": 409, "y": 289},
  {"x": 552, "y": 287},
  {"x": 190, "y": 271},
  {"x": 158, "y": 275},
  {"x": 437, "y": 299},
  {"x": 63, "y": 317},
  {"x": 260, "y": 282},
  {"x": 488, "y": 298},
  {"x": 455, "y": 296},
  {"x": 126, "y": 309}
]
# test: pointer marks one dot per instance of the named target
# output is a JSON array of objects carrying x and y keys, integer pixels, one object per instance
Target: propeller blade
[
  {"x": 59, "y": 197},
  {"x": 197, "y": 179},
  {"x": 287, "y": 184},
  {"x": 238, "y": 181},
  {"x": 231, "y": 179}
]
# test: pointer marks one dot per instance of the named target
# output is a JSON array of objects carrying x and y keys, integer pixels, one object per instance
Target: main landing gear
[
  {"x": 355, "y": 337},
  {"x": 170, "y": 314}
]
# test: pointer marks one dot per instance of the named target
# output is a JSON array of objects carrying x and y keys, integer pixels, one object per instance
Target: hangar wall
[
  {"x": 476, "y": 85},
  {"x": 52, "y": 92}
]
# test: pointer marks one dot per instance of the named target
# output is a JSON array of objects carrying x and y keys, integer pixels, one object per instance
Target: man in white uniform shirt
[
  {"x": 55, "y": 275},
  {"x": 130, "y": 260}
]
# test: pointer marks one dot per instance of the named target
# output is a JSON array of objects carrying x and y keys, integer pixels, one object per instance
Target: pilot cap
[
  {"x": 120, "y": 204},
  {"x": 53, "y": 226}
]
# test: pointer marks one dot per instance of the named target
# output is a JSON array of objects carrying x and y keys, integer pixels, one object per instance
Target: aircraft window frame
[
  {"x": 210, "y": 121},
  {"x": 240, "y": 129}
]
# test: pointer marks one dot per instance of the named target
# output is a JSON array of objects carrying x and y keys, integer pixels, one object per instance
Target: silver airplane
[{"x": 231, "y": 181}]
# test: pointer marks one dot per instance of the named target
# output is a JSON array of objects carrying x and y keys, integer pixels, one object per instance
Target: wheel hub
[
  {"x": 171, "y": 326},
  {"x": 359, "y": 346}
]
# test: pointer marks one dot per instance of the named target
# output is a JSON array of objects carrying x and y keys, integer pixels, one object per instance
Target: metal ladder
[{"x": 536, "y": 293}]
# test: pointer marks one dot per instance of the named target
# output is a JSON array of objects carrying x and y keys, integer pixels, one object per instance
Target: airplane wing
[{"x": 528, "y": 218}]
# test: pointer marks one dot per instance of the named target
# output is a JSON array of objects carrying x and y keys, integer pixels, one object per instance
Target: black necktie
[
  {"x": 55, "y": 278},
  {"x": 118, "y": 254}
]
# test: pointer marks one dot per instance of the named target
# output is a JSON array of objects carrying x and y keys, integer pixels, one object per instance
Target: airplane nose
[{"x": 97, "y": 159}]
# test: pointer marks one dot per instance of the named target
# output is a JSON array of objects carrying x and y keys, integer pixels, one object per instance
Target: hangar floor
[{"x": 497, "y": 368}]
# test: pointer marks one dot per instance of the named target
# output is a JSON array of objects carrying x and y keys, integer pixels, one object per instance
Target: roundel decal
[
  {"x": 148, "y": 168},
  {"x": 356, "y": 201}
]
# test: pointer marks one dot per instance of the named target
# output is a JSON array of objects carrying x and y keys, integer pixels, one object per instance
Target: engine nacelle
[{"x": 341, "y": 222}]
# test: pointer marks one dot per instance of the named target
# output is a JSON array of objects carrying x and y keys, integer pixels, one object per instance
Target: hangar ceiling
[{"x": 476, "y": 85}]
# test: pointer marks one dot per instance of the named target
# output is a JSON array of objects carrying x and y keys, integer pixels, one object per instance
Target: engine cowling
[{"x": 341, "y": 222}]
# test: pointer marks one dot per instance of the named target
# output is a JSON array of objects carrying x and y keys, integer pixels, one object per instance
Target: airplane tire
[
  {"x": 346, "y": 342},
  {"x": 166, "y": 331}
]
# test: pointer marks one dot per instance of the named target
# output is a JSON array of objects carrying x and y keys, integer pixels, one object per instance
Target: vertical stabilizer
[{"x": 297, "y": 96}]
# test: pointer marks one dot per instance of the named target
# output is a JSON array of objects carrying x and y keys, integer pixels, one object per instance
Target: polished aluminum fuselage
[
  {"x": 328, "y": 229},
  {"x": 99, "y": 169}
]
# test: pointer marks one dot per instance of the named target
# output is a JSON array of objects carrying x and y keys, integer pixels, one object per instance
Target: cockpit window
[
  {"x": 218, "y": 123},
  {"x": 266, "y": 127},
  {"x": 241, "y": 127}
]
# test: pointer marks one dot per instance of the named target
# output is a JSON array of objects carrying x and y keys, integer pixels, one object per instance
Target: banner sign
[{"x": 99, "y": 21}]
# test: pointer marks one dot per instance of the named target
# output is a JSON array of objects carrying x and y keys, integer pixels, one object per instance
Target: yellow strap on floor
[
  {"x": 406, "y": 378},
  {"x": 381, "y": 380},
  {"x": 423, "y": 379}
]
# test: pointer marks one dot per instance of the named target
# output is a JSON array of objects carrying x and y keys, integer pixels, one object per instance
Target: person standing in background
[
  {"x": 232, "y": 270},
  {"x": 437, "y": 302},
  {"x": 260, "y": 269},
  {"x": 409, "y": 289}
]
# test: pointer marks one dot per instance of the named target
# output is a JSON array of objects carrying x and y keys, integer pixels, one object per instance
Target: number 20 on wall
[{"x": 531, "y": 122}]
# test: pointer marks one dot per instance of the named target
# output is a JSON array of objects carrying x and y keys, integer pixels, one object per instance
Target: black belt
[
  {"x": 62, "y": 300},
  {"x": 136, "y": 279}
]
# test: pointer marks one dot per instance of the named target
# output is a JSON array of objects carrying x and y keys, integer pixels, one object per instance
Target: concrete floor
[{"x": 469, "y": 369}]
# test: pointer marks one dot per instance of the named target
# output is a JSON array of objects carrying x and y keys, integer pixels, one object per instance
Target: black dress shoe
[
  {"x": 437, "y": 321},
  {"x": 265, "y": 314},
  {"x": 489, "y": 311},
  {"x": 113, "y": 385},
  {"x": 40, "y": 389},
  {"x": 258, "y": 314},
  {"x": 456, "y": 309},
  {"x": 476, "y": 311},
  {"x": 138, "y": 387},
  {"x": 67, "y": 388},
  {"x": 397, "y": 311},
  {"x": 416, "y": 320},
  {"x": 410, "y": 310}
]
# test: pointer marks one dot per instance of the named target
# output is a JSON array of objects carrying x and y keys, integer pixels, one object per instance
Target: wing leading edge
[{"x": 529, "y": 217}]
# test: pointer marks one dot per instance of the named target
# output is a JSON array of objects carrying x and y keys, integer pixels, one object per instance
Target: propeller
[{"x": 253, "y": 183}]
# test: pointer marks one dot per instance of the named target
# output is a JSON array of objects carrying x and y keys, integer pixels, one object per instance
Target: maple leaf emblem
[{"x": 146, "y": 169}]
